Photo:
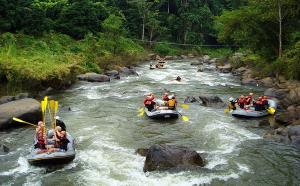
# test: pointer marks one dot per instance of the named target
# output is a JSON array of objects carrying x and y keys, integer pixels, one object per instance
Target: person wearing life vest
[
  {"x": 265, "y": 102},
  {"x": 231, "y": 105},
  {"x": 40, "y": 137},
  {"x": 172, "y": 103},
  {"x": 249, "y": 99},
  {"x": 165, "y": 97},
  {"x": 258, "y": 104},
  {"x": 241, "y": 102},
  {"x": 149, "y": 103}
]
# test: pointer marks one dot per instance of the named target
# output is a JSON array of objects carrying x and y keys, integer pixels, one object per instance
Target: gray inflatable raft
[
  {"x": 52, "y": 158},
  {"x": 162, "y": 114},
  {"x": 251, "y": 113}
]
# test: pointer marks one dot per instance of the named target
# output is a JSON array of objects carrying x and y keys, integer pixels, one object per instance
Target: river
[{"x": 104, "y": 121}]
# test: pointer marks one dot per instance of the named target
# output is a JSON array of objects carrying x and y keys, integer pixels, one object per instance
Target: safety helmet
[
  {"x": 231, "y": 99},
  {"x": 250, "y": 94}
]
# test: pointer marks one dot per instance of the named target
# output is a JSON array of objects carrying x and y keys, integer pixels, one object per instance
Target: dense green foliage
[
  {"x": 269, "y": 29},
  {"x": 53, "y": 38}
]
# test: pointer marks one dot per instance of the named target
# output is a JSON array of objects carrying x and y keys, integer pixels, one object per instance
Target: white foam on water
[{"x": 22, "y": 167}]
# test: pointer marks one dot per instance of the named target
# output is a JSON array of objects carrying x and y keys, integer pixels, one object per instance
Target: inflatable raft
[
  {"x": 251, "y": 113},
  {"x": 162, "y": 114},
  {"x": 52, "y": 158}
]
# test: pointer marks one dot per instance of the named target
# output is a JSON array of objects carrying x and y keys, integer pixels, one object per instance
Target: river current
[{"x": 103, "y": 119}]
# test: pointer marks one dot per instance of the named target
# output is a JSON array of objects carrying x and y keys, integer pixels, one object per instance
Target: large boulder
[
  {"x": 249, "y": 81},
  {"x": 289, "y": 116},
  {"x": 113, "y": 74},
  {"x": 93, "y": 77},
  {"x": 225, "y": 68},
  {"x": 212, "y": 101},
  {"x": 3, "y": 149},
  {"x": 190, "y": 99},
  {"x": 294, "y": 135},
  {"x": 196, "y": 63},
  {"x": 276, "y": 93},
  {"x": 164, "y": 157},
  {"x": 267, "y": 82},
  {"x": 26, "y": 109},
  {"x": 292, "y": 98},
  {"x": 6, "y": 99},
  {"x": 239, "y": 71},
  {"x": 128, "y": 71}
]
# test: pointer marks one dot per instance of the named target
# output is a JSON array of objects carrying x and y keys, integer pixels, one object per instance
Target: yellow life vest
[{"x": 171, "y": 103}]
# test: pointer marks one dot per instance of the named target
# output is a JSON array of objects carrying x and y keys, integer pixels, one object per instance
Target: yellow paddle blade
[
  {"x": 141, "y": 110},
  {"x": 52, "y": 104},
  {"x": 185, "y": 118},
  {"x": 21, "y": 121},
  {"x": 56, "y": 106},
  {"x": 141, "y": 113},
  {"x": 185, "y": 106},
  {"x": 271, "y": 110},
  {"x": 43, "y": 106},
  {"x": 226, "y": 110}
]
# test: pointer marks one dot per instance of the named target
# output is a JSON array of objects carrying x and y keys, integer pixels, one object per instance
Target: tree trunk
[
  {"x": 280, "y": 30},
  {"x": 184, "y": 37},
  {"x": 168, "y": 6},
  {"x": 151, "y": 35},
  {"x": 143, "y": 28}
]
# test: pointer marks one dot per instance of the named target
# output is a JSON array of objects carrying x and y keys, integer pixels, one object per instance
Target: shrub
[{"x": 165, "y": 49}]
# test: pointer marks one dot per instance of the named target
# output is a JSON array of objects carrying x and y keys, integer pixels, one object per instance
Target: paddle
[
  {"x": 271, "y": 110},
  {"x": 21, "y": 121},
  {"x": 226, "y": 110},
  {"x": 185, "y": 106},
  {"x": 184, "y": 118},
  {"x": 141, "y": 112}
]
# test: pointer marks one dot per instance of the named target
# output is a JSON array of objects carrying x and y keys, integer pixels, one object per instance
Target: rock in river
[
  {"x": 26, "y": 109},
  {"x": 212, "y": 101},
  {"x": 164, "y": 157},
  {"x": 93, "y": 77}
]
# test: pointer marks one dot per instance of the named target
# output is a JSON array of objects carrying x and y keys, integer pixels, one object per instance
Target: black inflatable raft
[{"x": 52, "y": 158}]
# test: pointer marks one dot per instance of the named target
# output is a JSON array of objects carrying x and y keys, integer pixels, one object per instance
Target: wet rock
[
  {"x": 239, "y": 71},
  {"x": 249, "y": 81},
  {"x": 26, "y": 109},
  {"x": 212, "y": 61},
  {"x": 6, "y": 99},
  {"x": 196, "y": 63},
  {"x": 225, "y": 68},
  {"x": 289, "y": 116},
  {"x": 205, "y": 68},
  {"x": 183, "y": 57},
  {"x": 267, "y": 82},
  {"x": 205, "y": 58},
  {"x": 142, "y": 151},
  {"x": 294, "y": 130},
  {"x": 169, "y": 58},
  {"x": 191, "y": 56},
  {"x": 128, "y": 71},
  {"x": 190, "y": 99},
  {"x": 264, "y": 123},
  {"x": 152, "y": 56},
  {"x": 93, "y": 77},
  {"x": 113, "y": 74},
  {"x": 212, "y": 101},
  {"x": 276, "y": 93},
  {"x": 292, "y": 98},
  {"x": 164, "y": 157},
  {"x": 4, "y": 148}
]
